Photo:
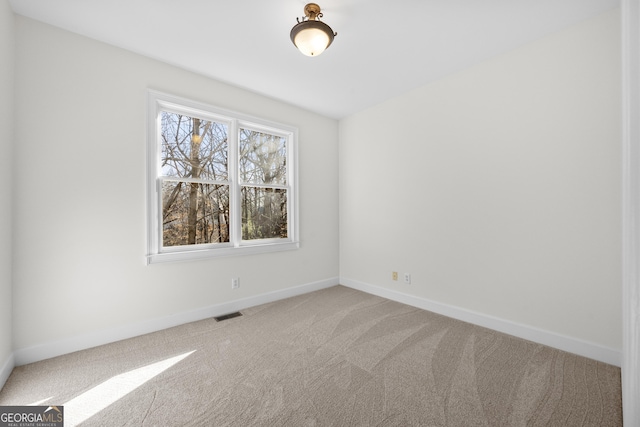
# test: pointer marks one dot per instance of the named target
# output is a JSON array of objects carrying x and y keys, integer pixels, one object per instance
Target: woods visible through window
[
  {"x": 263, "y": 176},
  {"x": 195, "y": 180},
  {"x": 217, "y": 180}
]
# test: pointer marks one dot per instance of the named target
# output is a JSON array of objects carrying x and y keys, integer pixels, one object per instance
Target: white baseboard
[
  {"x": 6, "y": 369},
  {"x": 551, "y": 339},
  {"x": 93, "y": 339}
]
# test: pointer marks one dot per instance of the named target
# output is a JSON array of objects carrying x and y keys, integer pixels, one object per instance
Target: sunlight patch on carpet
[
  {"x": 40, "y": 402},
  {"x": 98, "y": 398}
]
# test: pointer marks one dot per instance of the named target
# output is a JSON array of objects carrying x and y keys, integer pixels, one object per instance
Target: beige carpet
[{"x": 336, "y": 357}]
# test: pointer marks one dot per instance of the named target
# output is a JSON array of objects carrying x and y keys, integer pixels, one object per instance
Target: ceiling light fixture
[{"x": 310, "y": 35}]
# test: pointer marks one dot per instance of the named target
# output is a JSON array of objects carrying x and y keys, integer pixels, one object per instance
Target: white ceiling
[{"x": 383, "y": 47}]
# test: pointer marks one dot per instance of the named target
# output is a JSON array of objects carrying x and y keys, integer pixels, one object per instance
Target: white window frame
[{"x": 156, "y": 253}]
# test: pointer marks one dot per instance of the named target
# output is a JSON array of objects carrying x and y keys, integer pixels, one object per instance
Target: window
[{"x": 219, "y": 183}]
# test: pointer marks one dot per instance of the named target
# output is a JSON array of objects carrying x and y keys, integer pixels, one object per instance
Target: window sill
[{"x": 192, "y": 255}]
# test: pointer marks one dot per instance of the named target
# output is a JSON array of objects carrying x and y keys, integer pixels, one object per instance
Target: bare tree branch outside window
[{"x": 194, "y": 158}]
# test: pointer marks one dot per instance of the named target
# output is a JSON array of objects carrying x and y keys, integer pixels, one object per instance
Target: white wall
[
  {"x": 631, "y": 211},
  {"x": 6, "y": 144},
  {"x": 80, "y": 193},
  {"x": 498, "y": 188}
]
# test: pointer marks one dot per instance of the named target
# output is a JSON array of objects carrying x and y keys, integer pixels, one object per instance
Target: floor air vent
[{"x": 228, "y": 316}]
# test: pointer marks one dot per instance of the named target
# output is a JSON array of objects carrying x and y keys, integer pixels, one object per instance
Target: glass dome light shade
[{"x": 312, "y": 37}]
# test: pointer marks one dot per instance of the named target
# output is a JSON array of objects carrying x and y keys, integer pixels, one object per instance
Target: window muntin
[{"x": 220, "y": 183}]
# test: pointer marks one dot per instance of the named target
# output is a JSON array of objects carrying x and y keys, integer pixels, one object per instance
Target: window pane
[
  {"x": 193, "y": 148},
  {"x": 264, "y": 213},
  {"x": 262, "y": 158},
  {"x": 194, "y": 213}
]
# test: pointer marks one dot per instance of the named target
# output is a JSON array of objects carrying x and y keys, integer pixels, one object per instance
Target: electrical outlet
[
  {"x": 394, "y": 275},
  {"x": 407, "y": 278},
  {"x": 235, "y": 283}
]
